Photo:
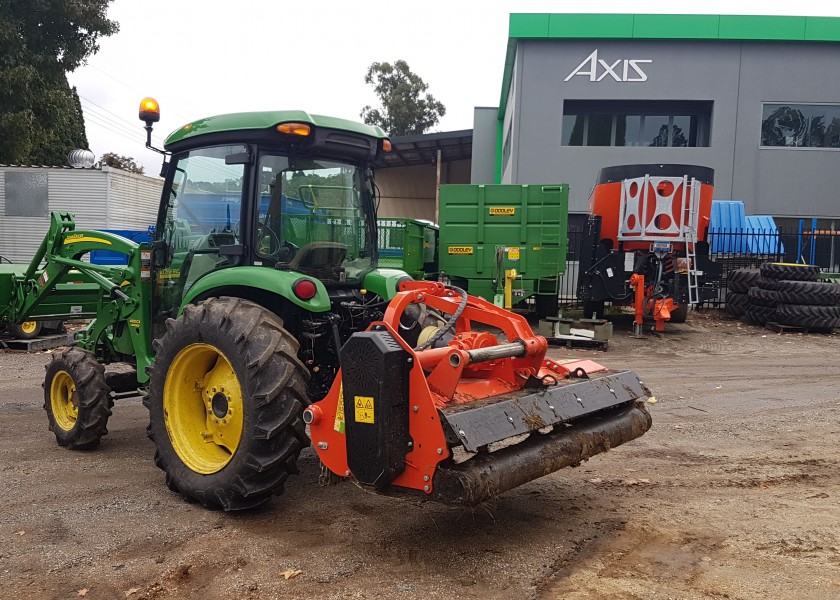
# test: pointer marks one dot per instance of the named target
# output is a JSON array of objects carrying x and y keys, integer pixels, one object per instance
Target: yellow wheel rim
[
  {"x": 64, "y": 400},
  {"x": 203, "y": 408},
  {"x": 28, "y": 327}
]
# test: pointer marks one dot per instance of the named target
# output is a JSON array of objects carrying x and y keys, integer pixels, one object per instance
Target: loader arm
[{"x": 58, "y": 284}]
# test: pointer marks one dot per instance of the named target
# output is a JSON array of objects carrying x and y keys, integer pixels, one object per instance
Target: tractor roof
[{"x": 263, "y": 120}]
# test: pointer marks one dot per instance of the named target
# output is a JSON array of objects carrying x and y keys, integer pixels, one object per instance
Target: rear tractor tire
[
  {"x": 790, "y": 271},
  {"x": 226, "y": 398},
  {"x": 77, "y": 399},
  {"x": 740, "y": 281}
]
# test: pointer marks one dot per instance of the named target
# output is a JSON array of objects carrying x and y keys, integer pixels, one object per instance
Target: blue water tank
[
  {"x": 731, "y": 231},
  {"x": 726, "y": 223},
  {"x": 107, "y": 257}
]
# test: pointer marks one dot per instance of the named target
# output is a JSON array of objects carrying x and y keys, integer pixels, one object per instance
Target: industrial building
[
  {"x": 100, "y": 198},
  {"x": 756, "y": 98}
]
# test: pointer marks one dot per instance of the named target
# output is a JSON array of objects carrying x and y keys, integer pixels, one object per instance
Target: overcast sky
[{"x": 206, "y": 57}]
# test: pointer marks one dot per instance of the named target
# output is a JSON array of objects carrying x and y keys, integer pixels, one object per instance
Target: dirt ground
[{"x": 734, "y": 493}]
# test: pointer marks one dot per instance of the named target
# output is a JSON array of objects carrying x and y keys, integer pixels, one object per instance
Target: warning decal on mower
[
  {"x": 364, "y": 409},
  {"x": 339, "y": 411}
]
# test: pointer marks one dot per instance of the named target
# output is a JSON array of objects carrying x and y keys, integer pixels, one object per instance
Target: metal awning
[{"x": 421, "y": 149}]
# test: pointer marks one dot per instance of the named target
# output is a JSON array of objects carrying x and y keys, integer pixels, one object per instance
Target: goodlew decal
[{"x": 627, "y": 69}]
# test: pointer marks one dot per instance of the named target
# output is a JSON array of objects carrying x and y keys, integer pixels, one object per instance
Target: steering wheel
[{"x": 274, "y": 243}]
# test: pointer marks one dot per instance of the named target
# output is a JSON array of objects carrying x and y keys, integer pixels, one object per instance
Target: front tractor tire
[
  {"x": 77, "y": 399},
  {"x": 226, "y": 398},
  {"x": 28, "y": 330}
]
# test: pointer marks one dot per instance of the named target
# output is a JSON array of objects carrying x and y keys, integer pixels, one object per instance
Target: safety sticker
[
  {"x": 513, "y": 253},
  {"x": 460, "y": 250},
  {"x": 339, "y": 411},
  {"x": 364, "y": 409},
  {"x": 502, "y": 211}
]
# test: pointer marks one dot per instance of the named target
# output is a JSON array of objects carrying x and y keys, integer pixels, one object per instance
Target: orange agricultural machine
[
  {"x": 429, "y": 401},
  {"x": 645, "y": 243}
]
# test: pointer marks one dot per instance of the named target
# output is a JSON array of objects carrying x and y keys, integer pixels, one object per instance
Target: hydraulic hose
[{"x": 450, "y": 322}]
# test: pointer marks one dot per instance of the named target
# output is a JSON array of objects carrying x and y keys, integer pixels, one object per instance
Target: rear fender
[{"x": 257, "y": 279}]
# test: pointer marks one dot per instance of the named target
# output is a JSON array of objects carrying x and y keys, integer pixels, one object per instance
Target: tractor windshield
[{"x": 311, "y": 218}]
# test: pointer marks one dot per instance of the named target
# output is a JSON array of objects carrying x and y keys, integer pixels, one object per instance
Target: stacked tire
[
  {"x": 791, "y": 294},
  {"x": 738, "y": 284}
]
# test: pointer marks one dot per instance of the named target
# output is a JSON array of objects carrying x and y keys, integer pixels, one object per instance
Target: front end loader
[{"x": 260, "y": 308}]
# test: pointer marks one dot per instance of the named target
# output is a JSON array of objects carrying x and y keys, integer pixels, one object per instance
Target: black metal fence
[{"x": 733, "y": 249}]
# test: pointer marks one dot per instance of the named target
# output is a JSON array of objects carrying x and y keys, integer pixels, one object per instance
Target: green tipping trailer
[
  {"x": 488, "y": 230},
  {"x": 410, "y": 245}
]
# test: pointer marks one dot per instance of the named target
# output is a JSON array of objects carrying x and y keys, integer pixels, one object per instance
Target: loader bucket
[{"x": 471, "y": 413}]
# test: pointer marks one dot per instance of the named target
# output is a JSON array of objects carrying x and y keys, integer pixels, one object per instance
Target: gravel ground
[{"x": 732, "y": 494}]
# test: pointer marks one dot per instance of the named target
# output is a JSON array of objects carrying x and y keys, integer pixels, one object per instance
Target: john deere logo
[
  {"x": 503, "y": 210},
  {"x": 460, "y": 250}
]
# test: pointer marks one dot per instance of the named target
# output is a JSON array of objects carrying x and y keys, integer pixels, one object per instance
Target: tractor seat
[{"x": 319, "y": 259}]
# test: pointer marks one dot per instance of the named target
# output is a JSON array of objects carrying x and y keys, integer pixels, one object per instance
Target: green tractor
[
  {"x": 259, "y": 308},
  {"x": 263, "y": 264}
]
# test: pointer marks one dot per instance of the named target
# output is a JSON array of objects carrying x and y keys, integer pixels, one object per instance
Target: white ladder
[{"x": 691, "y": 212}]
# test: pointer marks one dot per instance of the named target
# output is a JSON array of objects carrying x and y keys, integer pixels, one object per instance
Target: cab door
[{"x": 198, "y": 223}]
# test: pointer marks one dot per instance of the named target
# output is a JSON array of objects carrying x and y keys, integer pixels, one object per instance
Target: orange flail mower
[{"x": 452, "y": 398}]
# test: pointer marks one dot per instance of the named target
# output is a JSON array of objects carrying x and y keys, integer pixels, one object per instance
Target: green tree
[
  {"x": 405, "y": 106},
  {"x": 40, "y": 42},
  {"x": 118, "y": 161}
]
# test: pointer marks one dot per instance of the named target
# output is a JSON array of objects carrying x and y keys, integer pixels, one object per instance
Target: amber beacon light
[{"x": 149, "y": 111}]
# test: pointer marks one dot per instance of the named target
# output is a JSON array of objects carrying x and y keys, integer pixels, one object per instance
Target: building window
[
  {"x": 27, "y": 194},
  {"x": 647, "y": 124},
  {"x": 800, "y": 125}
]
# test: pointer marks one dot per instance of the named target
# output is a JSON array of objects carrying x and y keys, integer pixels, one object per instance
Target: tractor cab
[{"x": 285, "y": 191}]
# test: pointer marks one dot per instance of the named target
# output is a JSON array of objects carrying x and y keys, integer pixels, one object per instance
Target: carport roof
[{"x": 421, "y": 149}]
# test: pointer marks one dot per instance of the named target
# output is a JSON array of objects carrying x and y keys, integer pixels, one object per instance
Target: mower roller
[{"x": 261, "y": 293}]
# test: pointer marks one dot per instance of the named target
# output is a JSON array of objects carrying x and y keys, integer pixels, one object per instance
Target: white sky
[{"x": 205, "y": 57}]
